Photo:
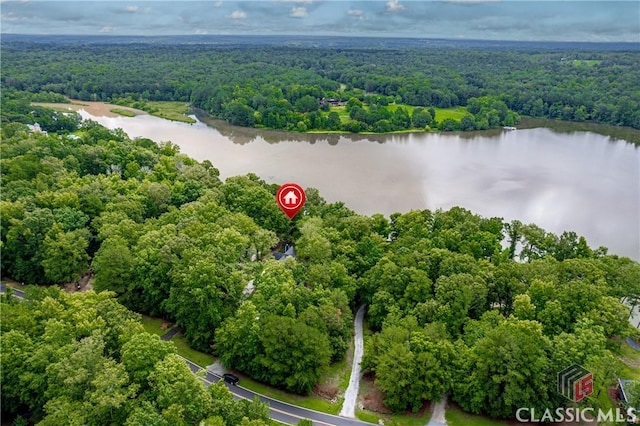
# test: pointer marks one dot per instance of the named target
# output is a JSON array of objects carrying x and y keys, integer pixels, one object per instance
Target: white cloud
[
  {"x": 106, "y": 29},
  {"x": 200, "y": 32},
  {"x": 355, "y": 12},
  {"x": 11, "y": 17},
  {"x": 298, "y": 1},
  {"x": 394, "y": 6},
  {"x": 238, "y": 14},
  {"x": 470, "y": 1},
  {"x": 217, "y": 4},
  {"x": 298, "y": 12},
  {"x": 136, "y": 9}
]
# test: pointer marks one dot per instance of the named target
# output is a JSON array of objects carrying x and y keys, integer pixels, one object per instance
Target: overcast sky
[{"x": 564, "y": 20}]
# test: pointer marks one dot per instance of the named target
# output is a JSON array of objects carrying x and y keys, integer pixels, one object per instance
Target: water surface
[{"x": 581, "y": 181}]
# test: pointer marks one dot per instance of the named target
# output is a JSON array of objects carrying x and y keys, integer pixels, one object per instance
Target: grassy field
[
  {"x": 169, "y": 110},
  {"x": 123, "y": 112},
  {"x": 153, "y": 325},
  {"x": 441, "y": 113},
  {"x": 586, "y": 62},
  {"x": 176, "y": 111}
]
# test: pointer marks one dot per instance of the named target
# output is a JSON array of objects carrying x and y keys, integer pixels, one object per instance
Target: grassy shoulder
[
  {"x": 184, "y": 350},
  {"x": 310, "y": 402},
  {"x": 159, "y": 327}
]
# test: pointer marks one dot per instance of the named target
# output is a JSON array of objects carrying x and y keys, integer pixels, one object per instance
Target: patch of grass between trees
[{"x": 184, "y": 350}]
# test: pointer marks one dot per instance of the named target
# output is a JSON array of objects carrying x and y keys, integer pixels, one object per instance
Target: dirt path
[{"x": 351, "y": 394}]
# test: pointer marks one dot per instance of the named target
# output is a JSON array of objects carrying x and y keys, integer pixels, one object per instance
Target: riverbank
[
  {"x": 178, "y": 111},
  {"x": 168, "y": 110},
  {"x": 628, "y": 134}
]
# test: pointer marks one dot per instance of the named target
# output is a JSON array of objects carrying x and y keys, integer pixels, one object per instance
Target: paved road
[
  {"x": 280, "y": 411},
  {"x": 169, "y": 334},
  {"x": 351, "y": 394},
  {"x": 16, "y": 292}
]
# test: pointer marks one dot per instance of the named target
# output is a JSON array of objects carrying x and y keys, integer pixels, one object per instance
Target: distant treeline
[{"x": 282, "y": 87}]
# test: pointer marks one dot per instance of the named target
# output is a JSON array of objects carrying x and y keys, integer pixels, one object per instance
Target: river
[{"x": 579, "y": 181}]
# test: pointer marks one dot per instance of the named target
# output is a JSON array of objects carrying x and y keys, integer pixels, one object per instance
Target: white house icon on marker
[{"x": 291, "y": 198}]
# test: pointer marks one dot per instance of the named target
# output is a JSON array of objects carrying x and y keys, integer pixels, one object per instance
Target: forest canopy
[
  {"x": 485, "y": 310},
  {"x": 294, "y": 88}
]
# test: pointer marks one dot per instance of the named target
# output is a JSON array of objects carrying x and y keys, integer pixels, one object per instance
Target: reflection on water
[
  {"x": 578, "y": 181},
  {"x": 244, "y": 135}
]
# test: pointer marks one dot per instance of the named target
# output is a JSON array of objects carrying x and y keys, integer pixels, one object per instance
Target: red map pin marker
[{"x": 290, "y": 198}]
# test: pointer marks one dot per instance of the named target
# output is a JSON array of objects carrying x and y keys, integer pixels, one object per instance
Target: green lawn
[
  {"x": 170, "y": 110},
  {"x": 123, "y": 112},
  {"x": 441, "y": 113},
  {"x": 153, "y": 325},
  {"x": 183, "y": 349},
  {"x": 586, "y": 62},
  {"x": 628, "y": 363}
]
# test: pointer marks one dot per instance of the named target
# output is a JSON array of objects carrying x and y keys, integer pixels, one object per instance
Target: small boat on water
[{"x": 508, "y": 128}]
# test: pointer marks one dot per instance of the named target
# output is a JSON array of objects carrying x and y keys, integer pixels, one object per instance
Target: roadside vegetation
[{"x": 84, "y": 358}]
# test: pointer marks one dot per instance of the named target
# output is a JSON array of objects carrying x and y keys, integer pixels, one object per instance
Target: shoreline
[{"x": 99, "y": 108}]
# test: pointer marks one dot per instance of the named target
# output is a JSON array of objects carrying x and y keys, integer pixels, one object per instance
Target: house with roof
[{"x": 289, "y": 251}]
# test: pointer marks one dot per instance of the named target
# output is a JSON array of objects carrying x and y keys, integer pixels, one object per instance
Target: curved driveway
[{"x": 351, "y": 394}]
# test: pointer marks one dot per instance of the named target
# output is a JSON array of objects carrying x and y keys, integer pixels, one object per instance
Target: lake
[{"x": 578, "y": 181}]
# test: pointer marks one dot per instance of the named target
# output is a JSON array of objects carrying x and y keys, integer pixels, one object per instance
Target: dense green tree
[
  {"x": 65, "y": 255},
  {"x": 508, "y": 370},
  {"x": 294, "y": 354}
]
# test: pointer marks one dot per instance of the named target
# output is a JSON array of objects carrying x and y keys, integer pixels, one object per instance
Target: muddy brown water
[{"x": 579, "y": 181}]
